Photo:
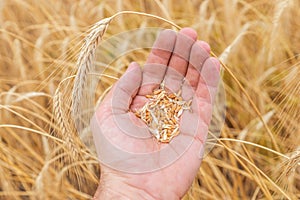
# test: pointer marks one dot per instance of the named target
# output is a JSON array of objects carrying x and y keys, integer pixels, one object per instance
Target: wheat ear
[
  {"x": 61, "y": 117},
  {"x": 85, "y": 63}
]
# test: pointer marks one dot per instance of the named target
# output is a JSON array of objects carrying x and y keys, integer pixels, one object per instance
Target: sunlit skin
[{"x": 171, "y": 182}]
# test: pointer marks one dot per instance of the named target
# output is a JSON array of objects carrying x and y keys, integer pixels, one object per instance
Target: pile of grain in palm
[{"x": 162, "y": 113}]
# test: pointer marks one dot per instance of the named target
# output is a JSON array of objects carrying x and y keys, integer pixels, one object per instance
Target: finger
[
  {"x": 179, "y": 61},
  {"x": 192, "y": 126},
  {"x": 198, "y": 56},
  {"x": 126, "y": 88},
  {"x": 207, "y": 88},
  {"x": 205, "y": 46},
  {"x": 156, "y": 65}
]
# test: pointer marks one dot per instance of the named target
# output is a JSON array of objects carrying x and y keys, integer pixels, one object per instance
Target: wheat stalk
[
  {"x": 85, "y": 66},
  {"x": 251, "y": 102}
]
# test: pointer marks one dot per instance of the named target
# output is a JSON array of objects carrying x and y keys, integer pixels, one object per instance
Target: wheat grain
[{"x": 162, "y": 113}]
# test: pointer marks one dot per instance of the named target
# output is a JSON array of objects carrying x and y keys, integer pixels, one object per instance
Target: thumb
[{"x": 126, "y": 88}]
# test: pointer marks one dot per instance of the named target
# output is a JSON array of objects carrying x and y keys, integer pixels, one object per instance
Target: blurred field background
[{"x": 258, "y": 153}]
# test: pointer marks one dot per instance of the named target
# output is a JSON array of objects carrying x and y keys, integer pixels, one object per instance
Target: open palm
[{"x": 133, "y": 164}]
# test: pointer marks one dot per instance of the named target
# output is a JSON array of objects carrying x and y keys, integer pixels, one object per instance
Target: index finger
[{"x": 157, "y": 62}]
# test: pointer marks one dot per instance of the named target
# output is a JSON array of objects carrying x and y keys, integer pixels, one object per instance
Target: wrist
[
  {"x": 111, "y": 187},
  {"x": 122, "y": 192}
]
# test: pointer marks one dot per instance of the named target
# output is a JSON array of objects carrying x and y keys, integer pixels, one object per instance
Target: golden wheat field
[{"x": 258, "y": 41}]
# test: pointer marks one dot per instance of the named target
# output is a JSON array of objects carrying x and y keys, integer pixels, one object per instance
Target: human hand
[{"x": 133, "y": 164}]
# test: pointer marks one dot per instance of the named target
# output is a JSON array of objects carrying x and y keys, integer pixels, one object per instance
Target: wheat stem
[{"x": 250, "y": 100}]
